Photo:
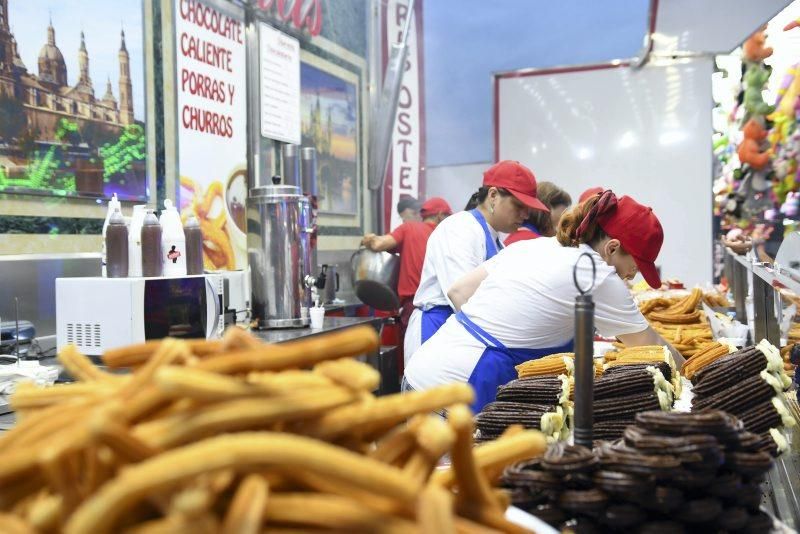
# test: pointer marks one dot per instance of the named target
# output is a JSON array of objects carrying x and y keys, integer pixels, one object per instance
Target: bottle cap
[{"x": 116, "y": 217}]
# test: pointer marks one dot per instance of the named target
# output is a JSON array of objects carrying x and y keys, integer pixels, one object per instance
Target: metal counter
[{"x": 330, "y": 324}]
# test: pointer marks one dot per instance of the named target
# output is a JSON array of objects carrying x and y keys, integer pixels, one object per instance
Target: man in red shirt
[{"x": 410, "y": 240}]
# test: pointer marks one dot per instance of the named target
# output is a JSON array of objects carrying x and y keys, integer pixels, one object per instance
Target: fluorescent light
[{"x": 627, "y": 140}]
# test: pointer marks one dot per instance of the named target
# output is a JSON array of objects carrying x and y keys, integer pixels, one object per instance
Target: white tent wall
[
  {"x": 641, "y": 132},
  {"x": 455, "y": 183}
]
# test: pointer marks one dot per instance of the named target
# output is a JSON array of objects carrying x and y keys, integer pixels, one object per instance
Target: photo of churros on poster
[{"x": 220, "y": 210}]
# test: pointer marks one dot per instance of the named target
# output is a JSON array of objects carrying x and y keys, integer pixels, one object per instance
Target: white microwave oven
[{"x": 96, "y": 314}]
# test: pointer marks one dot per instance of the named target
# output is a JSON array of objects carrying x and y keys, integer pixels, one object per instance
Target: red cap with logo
[
  {"x": 592, "y": 191},
  {"x": 517, "y": 179},
  {"x": 435, "y": 206},
  {"x": 635, "y": 226}
]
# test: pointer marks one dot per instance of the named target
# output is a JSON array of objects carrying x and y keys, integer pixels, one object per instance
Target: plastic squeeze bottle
[
  {"x": 151, "y": 264},
  {"x": 194, "y": 246},
  {"x": 173, "y": 241},
  {"x": 135, "y": 241},
  {"x": 116, "y": 242},
  {"x": 113, "y": 204}
]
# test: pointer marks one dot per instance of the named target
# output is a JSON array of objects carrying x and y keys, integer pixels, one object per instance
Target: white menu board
[{"x": 280, "y": 85}]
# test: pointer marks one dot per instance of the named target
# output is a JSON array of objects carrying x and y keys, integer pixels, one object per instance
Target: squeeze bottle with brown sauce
[
  {"x": 151, "y": 245},
  {"x": 116, "y": 246},
  {"x": 194, "y": 246}
]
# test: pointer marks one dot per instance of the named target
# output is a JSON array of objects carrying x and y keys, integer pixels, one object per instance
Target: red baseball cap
[
  {"x": 592, "y": 191},
  {"x": 638, "y": 230},
  {"x": 434, "y": 206},
  {"x": 517, "y": 179}
]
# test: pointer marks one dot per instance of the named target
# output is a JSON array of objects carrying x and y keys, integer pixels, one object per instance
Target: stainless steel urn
[{"x": 280, "y": 255}]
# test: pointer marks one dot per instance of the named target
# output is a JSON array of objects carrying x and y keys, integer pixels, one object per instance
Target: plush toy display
[{"x": 751, "y": 150}]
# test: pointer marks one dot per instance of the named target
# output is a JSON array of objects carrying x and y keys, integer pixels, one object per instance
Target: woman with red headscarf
[{"x": 519, "y": 305}]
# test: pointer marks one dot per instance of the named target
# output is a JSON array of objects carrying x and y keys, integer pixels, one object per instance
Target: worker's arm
[
  {"x": 648, "y": 336},
  {"x": 379, "y": 243},
  {"x": 465, "y": 287}
]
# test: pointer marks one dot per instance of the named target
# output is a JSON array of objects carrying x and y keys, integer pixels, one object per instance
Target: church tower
[
  {"x": 125, "y": 87},
  {"x": 84, "y": 81},
  {"x": 6, "y": 50},
  {"x": 52, "y": 67},
  {"x": 83, "y": 61}
]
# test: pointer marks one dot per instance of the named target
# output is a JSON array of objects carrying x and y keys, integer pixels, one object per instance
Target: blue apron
[
  {"x": 435, "y": 317},
  {"x": 496, "y": 365}
]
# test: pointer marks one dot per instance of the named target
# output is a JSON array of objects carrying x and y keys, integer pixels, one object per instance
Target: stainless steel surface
[
  {"x": 277, "y": 252},
  {"x": 375, "y": 278},
  {"x": 788, "y": 256},
  {"x": 308, "y": 245},
  {"x": 584, "y": 358},
  {"x": 740, "y": 290},
  {"x": 290, "y": 160},
  {"x": 308, "y": 170},
  {"x": 308, "y": 179},
  {"x": 330, "y": 324},
  {"x": 32, "y": 278}
]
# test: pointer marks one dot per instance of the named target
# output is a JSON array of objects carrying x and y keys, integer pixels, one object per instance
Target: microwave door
[{"x": 175, "y": 307}]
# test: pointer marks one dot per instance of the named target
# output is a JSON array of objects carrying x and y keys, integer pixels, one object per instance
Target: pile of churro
[
  {"x": 680, "y": 321},
  {"x": 237, "y": 436}
]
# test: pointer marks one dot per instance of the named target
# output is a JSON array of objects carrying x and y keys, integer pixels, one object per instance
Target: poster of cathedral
[
  {"x": 329, "y": 122},
  {"x": 72, "y": 98}
]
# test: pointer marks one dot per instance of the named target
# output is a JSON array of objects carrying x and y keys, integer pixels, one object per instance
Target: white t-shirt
[
  {"x": 527, "y": 301},
  {"x": 455, "y": 247}
]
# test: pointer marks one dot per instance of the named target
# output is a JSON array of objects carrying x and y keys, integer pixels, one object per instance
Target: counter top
[{"x": 330, "y": 324}]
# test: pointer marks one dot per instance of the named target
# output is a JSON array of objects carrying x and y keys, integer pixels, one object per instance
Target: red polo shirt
[{"x": 412, "y": 239}]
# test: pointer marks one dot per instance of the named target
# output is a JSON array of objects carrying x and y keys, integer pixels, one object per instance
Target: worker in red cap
[
  {"x": 466, "y": 240},
  {"x": 519, "y": 306},
  {"x": 592, "y": 191},
  {"x": 410, "y": 240},
  {"x": 540, "y": 223}
]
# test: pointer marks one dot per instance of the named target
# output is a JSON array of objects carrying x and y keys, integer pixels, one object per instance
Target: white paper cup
[{"x": 317, "y": 317}]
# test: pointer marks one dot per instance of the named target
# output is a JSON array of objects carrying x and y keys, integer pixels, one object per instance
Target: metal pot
[{"x": 375, "y": 278}]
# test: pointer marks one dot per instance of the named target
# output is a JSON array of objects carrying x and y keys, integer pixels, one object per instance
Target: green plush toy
[{"x": 755, "y": 79}]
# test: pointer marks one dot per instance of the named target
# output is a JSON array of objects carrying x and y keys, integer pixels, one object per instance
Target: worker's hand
[{"x": 368, "y": 240}]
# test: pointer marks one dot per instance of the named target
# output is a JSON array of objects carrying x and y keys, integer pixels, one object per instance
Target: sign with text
[
  {"x": 212, "y": 127},
  {"x": 280, "y": 85},
  {"x": 405, "y": 173}
]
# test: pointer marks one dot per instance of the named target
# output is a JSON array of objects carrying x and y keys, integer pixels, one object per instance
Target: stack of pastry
[
  {"x": 627, "y": 390},
  {"x": 239, "y": 436},
  {"x": 647, "y": 355},
  {"x": 673, "y": 472},
  {"x": 537, "y": 402},
  {"x": 680, "y": 322},
  {"x": 748, "y": 384}
]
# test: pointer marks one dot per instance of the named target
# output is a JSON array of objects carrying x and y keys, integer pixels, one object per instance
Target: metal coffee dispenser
[
  {"x": 279, "y": 255},
  {"x": 281, "y": 242}
]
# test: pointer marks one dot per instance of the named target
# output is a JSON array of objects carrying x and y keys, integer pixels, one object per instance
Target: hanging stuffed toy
[
  {"x": 755, "y": 79},
  {"x": 751, "y": 150},
  {"x": 754, "y": 49},
  {"x": 756, "y": 74}
]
